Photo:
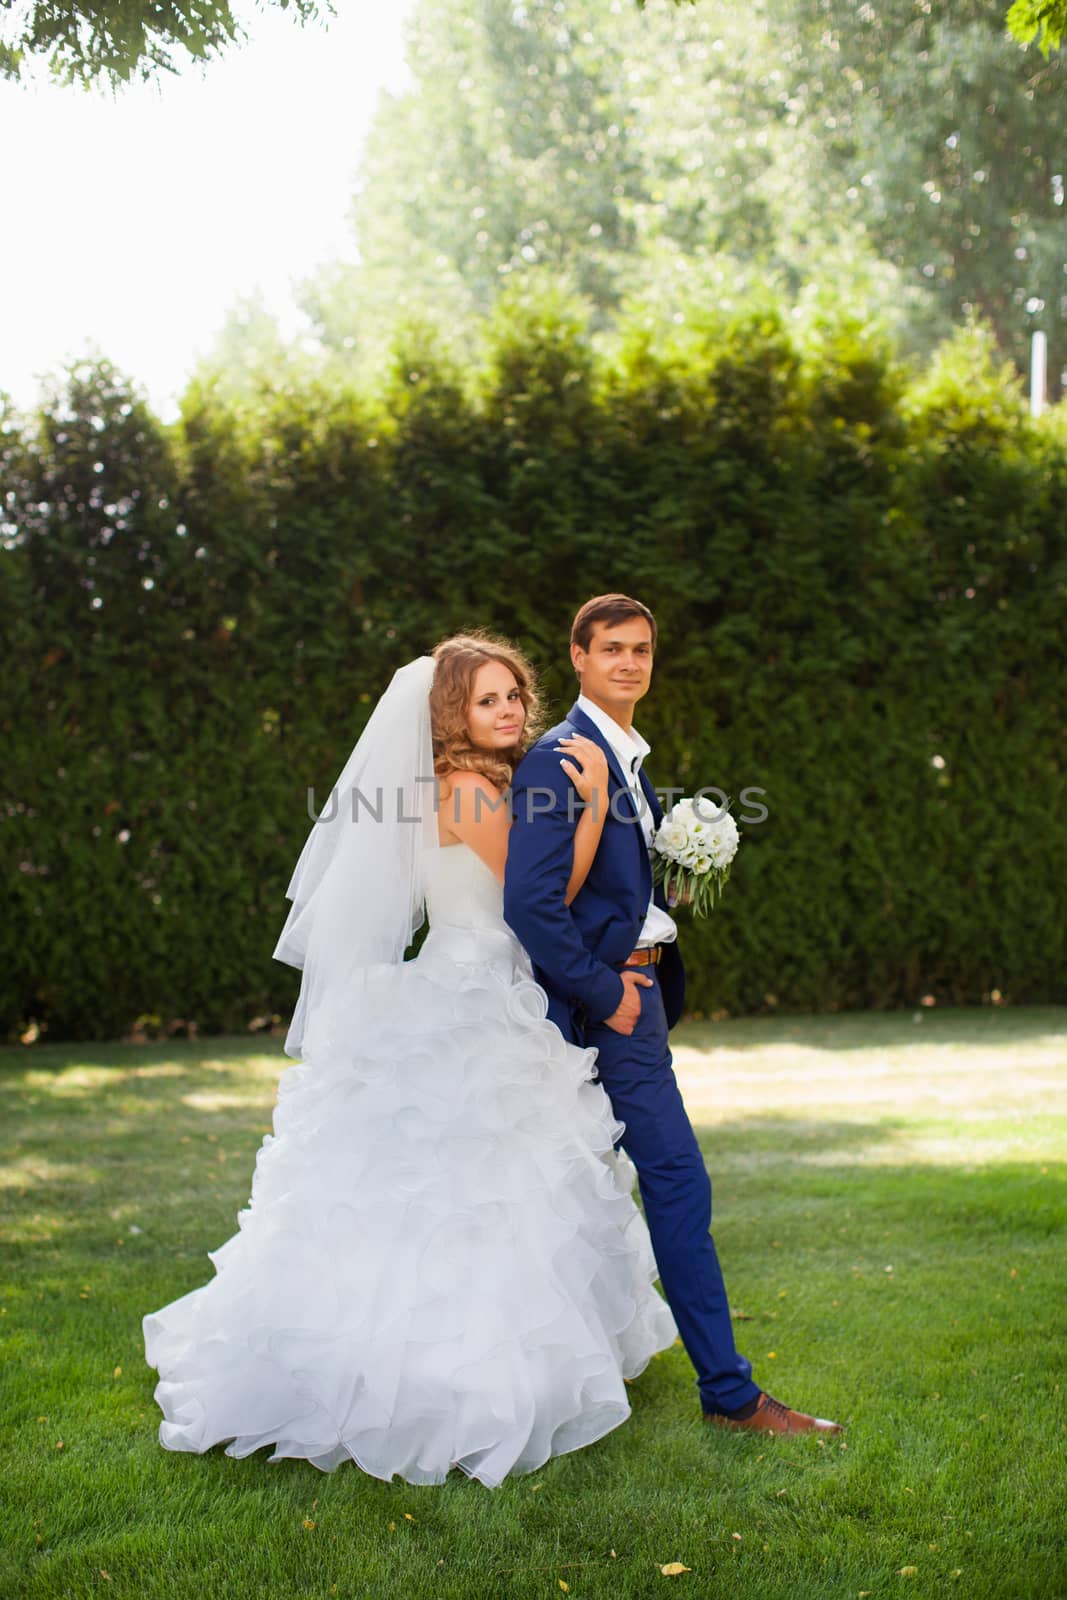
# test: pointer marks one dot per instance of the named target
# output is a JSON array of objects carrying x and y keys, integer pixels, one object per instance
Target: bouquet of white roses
[{"x": 692, "y": 851}]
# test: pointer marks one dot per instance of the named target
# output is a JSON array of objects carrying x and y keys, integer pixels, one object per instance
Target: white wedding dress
[{"x": 441, "y": 1263}]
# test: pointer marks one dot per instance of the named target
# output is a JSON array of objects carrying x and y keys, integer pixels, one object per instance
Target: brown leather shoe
[{"x": 771, "y": 1416}]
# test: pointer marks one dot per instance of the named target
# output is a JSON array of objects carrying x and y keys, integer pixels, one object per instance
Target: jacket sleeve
[{"x": 545, "y": 813}]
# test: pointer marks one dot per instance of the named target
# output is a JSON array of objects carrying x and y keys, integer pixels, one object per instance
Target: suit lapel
[{"x": 652, "y": 798}]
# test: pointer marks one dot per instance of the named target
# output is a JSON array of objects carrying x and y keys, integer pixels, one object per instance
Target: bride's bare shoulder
[
  {"x": 462, "y": 798},
  {"x": 466, "y": 783}
]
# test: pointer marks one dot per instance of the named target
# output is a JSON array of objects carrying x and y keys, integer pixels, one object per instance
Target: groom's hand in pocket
[{"x": 624, "y": 1020}]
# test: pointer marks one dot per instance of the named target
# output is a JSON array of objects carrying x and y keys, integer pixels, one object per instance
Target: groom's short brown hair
[{"x": 607, "y": 608}]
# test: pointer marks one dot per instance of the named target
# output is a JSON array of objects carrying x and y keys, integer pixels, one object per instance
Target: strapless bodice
[
  {"x": 461, "y": 891},
  {"x": 465, "y": 909}
]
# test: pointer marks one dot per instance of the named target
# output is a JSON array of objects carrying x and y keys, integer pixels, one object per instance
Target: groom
[{"x": 614, "y": 977}]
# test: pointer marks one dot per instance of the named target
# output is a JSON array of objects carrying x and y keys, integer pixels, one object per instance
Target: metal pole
[{"x": 1038, "y": 358}]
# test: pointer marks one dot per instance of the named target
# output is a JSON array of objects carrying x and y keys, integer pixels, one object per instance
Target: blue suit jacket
[{"x": 577, "y": 950}]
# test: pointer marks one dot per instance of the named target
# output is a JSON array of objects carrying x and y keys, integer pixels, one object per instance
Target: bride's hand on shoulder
[{"x": 592, "y": 773}]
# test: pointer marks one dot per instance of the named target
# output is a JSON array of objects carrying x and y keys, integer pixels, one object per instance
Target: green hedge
[{"x": 859, "y": 577}]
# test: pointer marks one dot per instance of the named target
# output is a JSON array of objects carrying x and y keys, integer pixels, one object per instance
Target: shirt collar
[{"x": 625, "y": 745}]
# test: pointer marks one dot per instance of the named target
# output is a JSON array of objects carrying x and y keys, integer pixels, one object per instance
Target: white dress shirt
[{"x": 631, "y": 750}]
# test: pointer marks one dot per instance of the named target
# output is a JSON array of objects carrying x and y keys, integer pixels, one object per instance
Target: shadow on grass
[
  {"x": 71, "y": 1114},
  {"x": 962, "y": 1025},
  {"x": 918, "y": 1301},
  {"x": 108, "y": 1135}
]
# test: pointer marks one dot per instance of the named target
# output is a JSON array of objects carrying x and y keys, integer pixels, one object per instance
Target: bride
[{"x": 441, "y": 1264}]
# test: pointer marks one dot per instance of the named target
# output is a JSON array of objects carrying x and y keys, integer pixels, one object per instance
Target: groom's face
[{"x": 616, "y": 670}]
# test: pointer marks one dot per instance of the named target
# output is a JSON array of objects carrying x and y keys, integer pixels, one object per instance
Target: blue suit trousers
[{"x": 637, "y": 1073}]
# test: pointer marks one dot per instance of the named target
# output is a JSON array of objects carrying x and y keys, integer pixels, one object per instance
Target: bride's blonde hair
[{"x": 457, "y": 662}]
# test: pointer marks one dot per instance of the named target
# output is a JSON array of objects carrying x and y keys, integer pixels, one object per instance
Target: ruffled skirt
[{"x": 441, "y": 1263}]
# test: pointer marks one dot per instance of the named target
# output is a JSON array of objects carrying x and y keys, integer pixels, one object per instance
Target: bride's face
[{"x": 495, "y": 712}]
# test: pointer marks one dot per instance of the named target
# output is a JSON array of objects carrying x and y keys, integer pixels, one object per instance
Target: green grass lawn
[{"x": 890, "y": 1208}]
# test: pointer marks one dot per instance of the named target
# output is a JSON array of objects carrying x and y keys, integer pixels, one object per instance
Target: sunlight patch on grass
[
  {"x": 77, "y": 1081},
  {"x": 32, "y": 1171},
  {"x": 941, "y": 1148},
  {"x": 220, "y": 1099},
  {"x": 720, "y": 1084},
  {"x": 257, "y": 1066},
  {"x": 40, "y": 1228},
  {"x": 891, "y": 1222}
]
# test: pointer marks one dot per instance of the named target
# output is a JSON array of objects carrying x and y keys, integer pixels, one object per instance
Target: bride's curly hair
[{"x": 458, "y": 660}]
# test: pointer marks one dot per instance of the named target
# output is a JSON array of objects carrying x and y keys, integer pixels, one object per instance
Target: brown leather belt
[{"x": 648, "y": 957}]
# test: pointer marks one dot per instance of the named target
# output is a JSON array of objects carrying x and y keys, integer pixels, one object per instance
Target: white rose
[
  {"x": 707, "y": 810},
  {"x": 722, "y": 841},
  {"x": 670, "y": 838}
]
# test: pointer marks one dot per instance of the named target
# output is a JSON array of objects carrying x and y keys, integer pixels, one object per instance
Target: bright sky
[{"x": 134, "y": 223}]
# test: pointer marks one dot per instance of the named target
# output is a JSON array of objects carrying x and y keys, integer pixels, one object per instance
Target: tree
[
  {"x": 627, "y": 152},
  {"x": 511, "y": 152},
  {"x": 1045, "y": 20},
  {"x": 949, "y": 140},
  {"x": 117, "y": 40},
  {"x": 906, "y": 159}
]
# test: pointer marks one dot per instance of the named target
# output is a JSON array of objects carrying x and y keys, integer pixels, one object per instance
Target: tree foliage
[
  {"x": 859, "y": 579},
  {"x": 903, "y": 157},
  {"x": 951, "y": 143},
  {"x": 1043, "y": 20},
  {"x": 118, "y": 40}
]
